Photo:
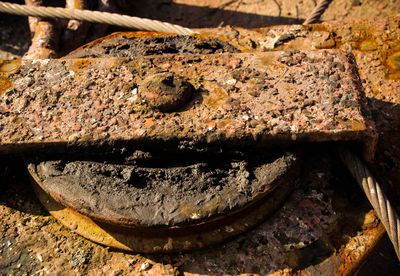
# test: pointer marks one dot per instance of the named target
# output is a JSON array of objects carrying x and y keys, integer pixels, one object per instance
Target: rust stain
[
  {"x": 148, "y": 122},
  {"x": 318, "y": 28},
  {"x": 360, "y": 32},
  {"x": 354, "y": 253},
  {"x": 208, "y": 36},
  {"x": 354, "y": 124},
  {"x": 327, "y": 43},
  {"x": 368, "y": 45},
  {"x": 217, "y": 95},
  {"x": 5, "y": 84},
  {"x": 9, "y": 66},
  {"x": 76, "y": 222},
  {"x": 211, "y": 125},
  {"x": 270, "y": 61},
  {"x": 223, "y": 123},
  {"x": 391, "y": 61},
  {"x": 142, "y": 34},
  {"x": 394, "y": 61},
  {"x": 79, "y": 65}
]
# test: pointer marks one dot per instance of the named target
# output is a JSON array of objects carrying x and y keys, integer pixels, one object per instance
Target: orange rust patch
[
  {"x": 217, "y": 95},
  {"x": 224, "y": 123},
  {"x": 318, "y": 28},
  {"x": 391, "y": 60},
  {"x": 148, "y": 122},
  {"x": 142, "y": 34},
  {"x": 355, "y": 125},
  {"x": 76, "y": 4},
  {"x": 362, "y": 32},
  {"x": 5, "y": 84},
  {"x": 354, "y": 253},
  {"x": 368, "y": 45},
  {"x": 394, "y": 61},
  {"x": 212, "y": 124},
  {"x": 208, "y": 36},
  {"x": 9, "y": 65},
  {"x": 79, "y": 64},
  {"x": 271, "y": 61}
]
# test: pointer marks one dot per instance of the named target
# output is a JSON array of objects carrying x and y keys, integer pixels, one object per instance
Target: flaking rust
[{"x": 240, "y": 98}]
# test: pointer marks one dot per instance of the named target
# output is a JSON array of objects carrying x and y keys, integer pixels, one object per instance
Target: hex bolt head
[{"x": 166, "y": 92}]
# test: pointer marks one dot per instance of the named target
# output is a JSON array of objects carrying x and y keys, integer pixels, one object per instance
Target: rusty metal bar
[{"x": 249, "y": 98}]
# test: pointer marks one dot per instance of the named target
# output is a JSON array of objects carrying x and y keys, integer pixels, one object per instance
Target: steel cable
[
  {"x": 95, "y": 17},
  {"x": 317, "y": 12},
  {"x": 379, "y": 201},
  {"x": 384, "y": 210},
  {"x": 122, "y": 20}
]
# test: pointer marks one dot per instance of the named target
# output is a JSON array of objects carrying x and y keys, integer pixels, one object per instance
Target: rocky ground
[{"x": 33, "y": 243}]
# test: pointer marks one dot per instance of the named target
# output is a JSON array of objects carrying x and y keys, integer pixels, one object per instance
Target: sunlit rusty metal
[
  {"x": 244, "y": 99},
  {"x": 375, "y": 47}
]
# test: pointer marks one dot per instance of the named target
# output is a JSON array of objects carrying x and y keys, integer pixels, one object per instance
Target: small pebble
[
  {"x": 231, "y": 82},
  {"x": 145, "y": 266}
]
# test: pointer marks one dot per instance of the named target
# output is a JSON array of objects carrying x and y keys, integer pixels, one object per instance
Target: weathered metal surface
[
  {"x": 374, "y": 43},
  {"x": 244, "y": 99},
  {"x": 358, "y": 230},
  {"x": 326, "y": 226}
]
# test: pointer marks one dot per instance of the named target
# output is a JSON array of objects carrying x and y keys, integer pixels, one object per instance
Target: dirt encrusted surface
[
  {"x": 36, "y": 243},
  {"x": 245, "y": 98},
  {"x": 131, "y": 44},
  {"x": 32, "y": 242},
  {"x": 160, "y": 196}
]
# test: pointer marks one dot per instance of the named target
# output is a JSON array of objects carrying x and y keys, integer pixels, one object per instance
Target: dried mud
[
  {"x": 172, "y": 191},
  {"x": 132, "y": 44}
]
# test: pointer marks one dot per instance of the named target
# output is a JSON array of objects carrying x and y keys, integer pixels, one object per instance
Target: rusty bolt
[{"x": 166, "y": 92}]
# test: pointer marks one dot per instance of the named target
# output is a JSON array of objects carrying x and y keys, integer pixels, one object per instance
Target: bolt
[{"x": 166, "y": 92}]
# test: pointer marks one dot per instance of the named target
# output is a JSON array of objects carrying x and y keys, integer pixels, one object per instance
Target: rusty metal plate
[{"x": 247, "y": 99}]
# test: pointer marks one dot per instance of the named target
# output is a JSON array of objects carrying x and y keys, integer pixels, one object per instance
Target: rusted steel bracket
[{"x": 259, "y": 99}]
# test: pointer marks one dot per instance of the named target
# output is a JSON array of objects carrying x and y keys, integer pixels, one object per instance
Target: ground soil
[{"x": 32, "y": 242}]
